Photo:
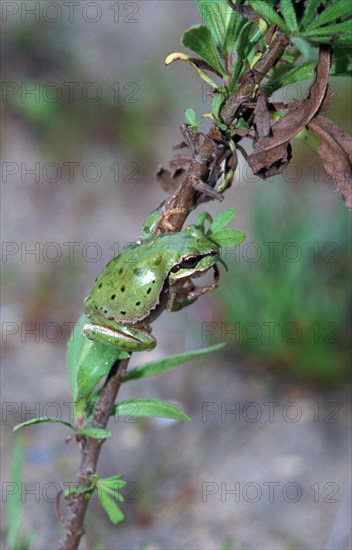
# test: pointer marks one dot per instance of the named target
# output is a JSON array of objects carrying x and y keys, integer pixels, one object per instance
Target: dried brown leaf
[
  {"x": 271, "y": 153},
  {"x": 335, "y": 151},
  {"x": 170, "y": 181}
]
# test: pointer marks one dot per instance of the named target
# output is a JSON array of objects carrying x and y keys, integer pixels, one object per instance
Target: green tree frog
[{"x": 146, "y": 277}]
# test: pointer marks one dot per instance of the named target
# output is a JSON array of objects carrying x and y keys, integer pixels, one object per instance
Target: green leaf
[
  {"x": 111, "y": 492},
  {"x": 168, "y": 363},
  {"x": 216, "y": 103},
  {"x": 267, "y": 12},
  {"x": 95, "y": 363},
  {"x": 247, "y": 39},
  {"x": 310, "y": 12},
  {"x": 289, "y": 14},
  {"x": 222, "y": 220},
  {"x": 110, "y": 507},
  {"x": 212, "y": 14},
  {"x": 199, "y": 40},
  {"x": 191, "y": 119},
  {"x": 344, "y": 27},
  {"x": 74, "y": 349},
  {"x": 231, "y": 31},
  {"x": 341, "y": 9},
  {"x": 88, "y": 362},
  {"x": 241, "y": 124},
  {"x": 296, "y": 74},
  {"x": 243, "y": 40},
  {"x": 228, "y": 238},
  {"x": 149, "y": 407},
  {"x": 114, "y": 482},
  {"x": 44, "y": 419},
  {"x": 96, "y": 433},
  {"x": 345, "y": 39}
]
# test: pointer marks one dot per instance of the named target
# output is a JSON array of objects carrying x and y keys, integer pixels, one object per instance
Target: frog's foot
[
  {"x": 189, "y": 293},
  {"x": 123, "y": 338},
  {"x": 163, "y": 220},
  {"x": 200, "y": 290}
]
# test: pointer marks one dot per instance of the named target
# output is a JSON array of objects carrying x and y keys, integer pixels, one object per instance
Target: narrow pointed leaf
[
  {"x": 113, "y": 482},
  {"x": 199, "y": 40},
  {"x": 296, "y": 74},
  {"x": 111, "y": 492},
  {"x": 113, "y": 511},
  {"x": 289, "y": 14},
  {"x": 344, "y": 27},
  {"x": 231, "y": 31},
  {"x": 44, "y": 419},
  {"x": 343, "y": 40},
  {"x": 267, "y": 12},
  {"x": 212, "y": 14},
  {"x": 149, "y": 407},
  {"x": 341, "y": 9},
  {"x": 309, "y": 13},
  {"x": 168, "y": 363}
]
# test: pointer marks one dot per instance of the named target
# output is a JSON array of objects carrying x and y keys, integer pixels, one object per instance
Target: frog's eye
[{"x": 190, "y": 262}]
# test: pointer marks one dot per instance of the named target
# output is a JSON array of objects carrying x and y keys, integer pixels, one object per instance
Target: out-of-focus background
[{"x": 89, "y": 112}]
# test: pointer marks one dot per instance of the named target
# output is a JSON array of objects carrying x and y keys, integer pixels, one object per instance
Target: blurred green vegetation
[
  {"x": 17, "y": 536},
  {"x": 289, "y": 294}
]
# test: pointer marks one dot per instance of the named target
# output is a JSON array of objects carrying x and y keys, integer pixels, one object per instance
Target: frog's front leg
[
  {"x": 120, "y": 337},
  {"x": 187, "y": 294}
]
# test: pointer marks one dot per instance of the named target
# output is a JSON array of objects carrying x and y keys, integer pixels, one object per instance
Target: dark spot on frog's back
[
  {"x": 157, "y": 260},
  {"x": 120, "y": 271},
  {"x": 137, "y": 271}
]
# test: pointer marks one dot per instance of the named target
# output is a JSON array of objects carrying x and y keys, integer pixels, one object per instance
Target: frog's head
[{"x": 197, "y": 254}]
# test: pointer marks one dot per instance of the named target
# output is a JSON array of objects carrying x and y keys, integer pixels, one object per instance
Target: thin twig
[{"x": 90, "y": 450}]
